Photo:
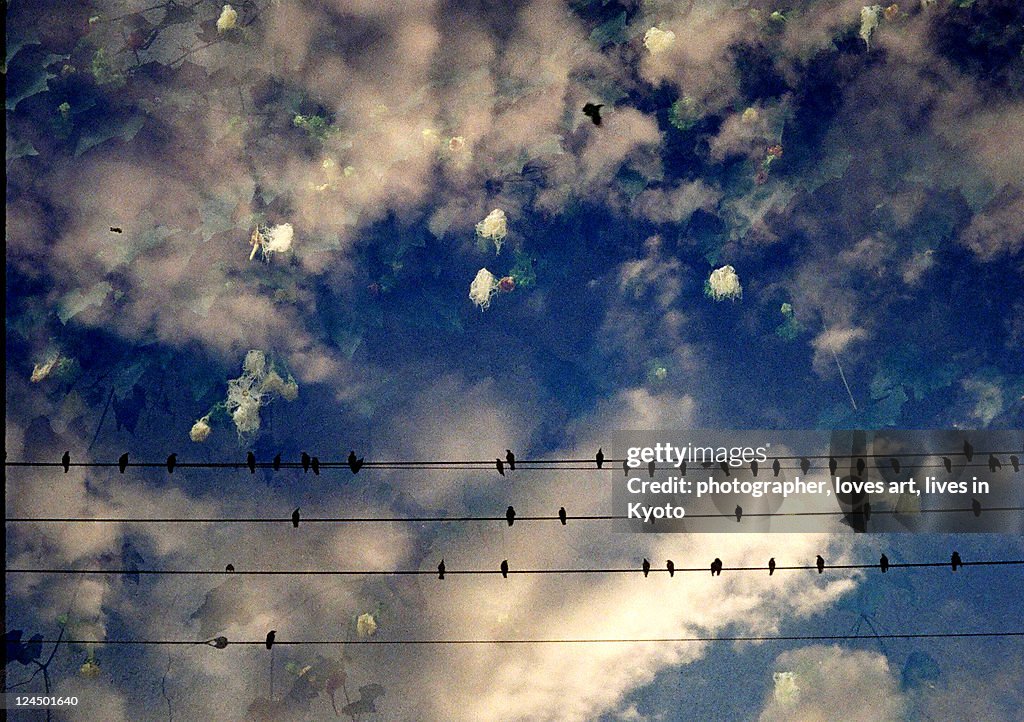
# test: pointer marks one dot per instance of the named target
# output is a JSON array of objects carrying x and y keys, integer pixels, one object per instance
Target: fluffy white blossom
[
  {"x": 200, "y": 430},
  {"x": 786, "y": 691},
  {"x": 869, "y": 21},
  {"x": 482, "y": 288},
  {"x": 228, "y": 19},
  {"x": 366, "y": 625},
  {"x": 277, "y": 239},
  {"x": 658, "y": 41},
  {"x": 494, "y": 227},
  {"x": 724, "y": 283}
]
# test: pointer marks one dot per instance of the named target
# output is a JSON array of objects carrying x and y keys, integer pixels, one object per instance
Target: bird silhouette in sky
[
  {"x": 270, "y": 638},
  {"x": 315, "y": 464},
  {"x": 510, "y": 516},
  {"x": 250, "y": 461},
  {"x": 561, "y": 515},
  {"x": 753, "y": 467},
  {"x": 500, "y": 466},
  {"x": 832, "y": 465},
  {"x": 805, "y": 465},
  {"x": 440, "y": 570},
  {"x": 65, "y": 461},
  {"x": 716, "y": 567},
  {"x": 305, "y": 462},
  {"x": 671, "y": 568},
  {"x": 682, "y": 467},
  {"x": 955, "y": 561},
  {"x": 739, "y": 513},
  {"x": 218, "y": 642},
  {"x": 229, "y": 568},
  {"x": 122, "y": 462},
  {"x": 993, "y": 463},
  {"x": 976, "y": 507},
  {"x": 646, "y": 567},
  {"x": 353, "y": 463},
  {"x": 593, "y": 111},
  {"x": 776, "y": 467},
  {"x": 504, "y": 569},
  {"x": 277, "y": 463},
  {"x": 884, "y": 563},
  {"x": 821, "y": 564},
  {"x": 295, "y": 518},
  {"x": 650, "y": 468},
  {"x": 771, "y": 566},
  {"x": 510, "y": 459},
  {"x": 116, "y": 229},
  {"x": 948, "y": 463},
  {"x": 599, "y": 458},
  {"x": 132, "y": 561},
  {"x": 968, "y": 450},
  {"x": 172, "y": 461}
]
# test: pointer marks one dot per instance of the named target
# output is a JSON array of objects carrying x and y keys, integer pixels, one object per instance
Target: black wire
[{"x": 474, "y": 572}]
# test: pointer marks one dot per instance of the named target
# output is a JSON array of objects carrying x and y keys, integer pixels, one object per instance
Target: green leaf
[{"x": 76, "y": 301}]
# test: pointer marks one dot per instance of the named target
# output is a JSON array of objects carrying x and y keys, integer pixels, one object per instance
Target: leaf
[
  {"x": 612, "y": 31},
  {"x": 107, "y": 127},
  {"x": 20, "y": 651},
  {"x": 76, "y": 301},
  {"x": 28, "y": 76}
]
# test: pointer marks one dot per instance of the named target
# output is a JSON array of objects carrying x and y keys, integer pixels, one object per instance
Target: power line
[
  {"x": 222, "y": 642},
  {"x": 462, "y": 519},
  {"x": 488, "y": 572}
]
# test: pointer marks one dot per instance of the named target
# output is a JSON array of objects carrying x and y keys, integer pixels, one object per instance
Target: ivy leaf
[{"x": 27, "y": 76}]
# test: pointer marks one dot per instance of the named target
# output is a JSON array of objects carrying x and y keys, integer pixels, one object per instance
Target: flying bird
[
  {"x": 305, "y": 462},
  {"x": 650, "y": 468},
  {"x": 122, "y": 462},
  {"x": 500, "y": 466},
  {"x": 172, "y": 461},
  {"x": 250, "y": 461},
  {"x": 895, "y": 464},
  {"x": 295, "y": 518},
  {"x": 561, "y": 515},
  {"x": 968, "y": 450},
  {"x": 504, "y": 569},
  {"x": 948, "y": 464},
  {"x": 599, "y": 458},
  {"x": 776, "y": 467},
  {"x": 821, "y": 564},
  {"x": 510, "y": 516},
  {"x": 115, "y": 229},
  {"x": 993, "y": 463},
  {"x": 440, "y": 570},
  {"x": 716, "y": 567},
  {"x": 671, "y": 568},
  {"x": 510, "y": 459},
  {"x": 646, "y": 567},
  {"x": 593, "y": 112},
  {"x": 270, "y": 638},
  {"x": 976, "y": 507},
  {"x": 884, "y": 563},
  {"x": 315, "y": 463},
  {"x": 739, "y": 513},
  {"x": 277, "y": 463},
  {"x": 805, "y": 465},
  {"x": 955, "y": 561},
  {"x": 65, "y": 461},
  {"x": 832, "y": 465},
  {"x": 771, "y": 566},
  {"x": 229, "y": 568},
  {"x": 353, "y": 463}
]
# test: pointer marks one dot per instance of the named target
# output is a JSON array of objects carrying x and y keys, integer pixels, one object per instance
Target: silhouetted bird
[
  {"x": 646, "y": 567},
  {"x": 955, "y": 561},
  {"x": 671, "y": 568},
  {"x": 895, "y": 464},
  {"x": 884, "y": 563},
  {"x": 561, "y": 515},
  {"x": 305, "y": 462},
  {"x": 776, "y": 467},
  {"x": 948, "y": 464},
  {"x": 976, "y": 507},
  {"x": 650, "y": 468},
  {"x": 270, "y": 638},
  {"x": 131, "y": 562},
  {"x": 724, "y": 466},
  {"x": 440, "y": 570},
  {"x": 716, "y": 567},
  {"x": 821, "y": 564},
  {"x": 771, "y": 566},
  {"x": 504, "y": 569},
  {"x": 295, "y": 518},
  {"x": 277, "y": 463},
  {"x": 993, "y": 463},
  {"x": 832, "y": 465},
  {"x": 250, "y": 461},
  {"x": 753, "y": 467},
  {"x": 739, "y": 513},
  {"x": 172, "y": 461},
  {"x": 968, "y": 450},
  {"x": 1015, "y": 463},
  {"x": 353, "y": 463},
  {"x": 115, "y": 229},
  {"x": 599, "y": 458},
  {"x": 315, "y": 463},
  {"x": 682, "y": 467},
  {"x": 510, "y": 459},
  {"x": 805, "y": 465},
  {"x": 500, "y": 466},
  {"x": 122, "y": 462},
  {"x": 219, "y": 642},
  {"x": 65, "y": 461},
  {"x": 510, "y": 516},
  {"x": 593, "y": 112},
  {"x": 860, "y": 467},
  {"x": 229, "y": 568}
]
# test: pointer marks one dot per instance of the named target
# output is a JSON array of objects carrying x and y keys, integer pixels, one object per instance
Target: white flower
[
  {"x": 200, "y": 430},
  {"x": 724, "y": 283},
  {"x": 658, "y": 41},
  {"x": 482, "y": 288},
  {"x": 366, "y": 625},
  {"x": 869, "y": 21},
  {"x": 227, "y": 20},
  {"x": 277, "y": 239},
  {"x": 255, "y": 363},
  {"x": 495, "y": 227},
  {"x": 247, "y": 416}
]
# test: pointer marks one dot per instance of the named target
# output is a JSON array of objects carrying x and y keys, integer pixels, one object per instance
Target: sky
[{"x": 291, "y": 226}]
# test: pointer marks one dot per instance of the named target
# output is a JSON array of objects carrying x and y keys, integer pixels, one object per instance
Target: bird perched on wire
[
  {"x": 883, "y": 563},
  {"x": 122, "y": 462},
  {"x": 305, "y": 462},
  {"x": 440, "y": 570},
  {"x": 1015, "y": 463},
  {"x": 955, "y": 561},
  {"x": 229, "y": 568},
  {"x": 651, "y": 467},
  {"x": 968, "y": 450},
  {"x": 993, "y": 463},
  {"x": 277, "y": 463},
  {"x": 671, "y": 568},
  {"x": 860, "y": 467},
  {"x": 625, "y": 467},
  {"x": 832, "y": 465},
  {"x": 65, "y": 461},
  {"x": 866, "y": 509},
  {"x": 295, "y": 518},
  {"x": 976, "y": 507},
  {"x": 510, "y": 516},
  {"x": 599, "y": 458},
  {"x": 270, "y": 638},
  {"x": 753, "y": 467},
  {"x": 504, "y": 568},
  {"x": 771, "y": 566},
  {"x": 716, "y": 567},
  {"x": 510, "y": 459},
  {"x": 739, "y": 513},
  {"x": 250, "y": 461},
  {"x": 895, "y": 464},
  {"x": 776, "y": 467},
  {"x": 315, "y": 464},
  {"x": 500, "y": 466},
  {"x": 646, "y": 567},
  {"x": 172, "y": 461},
  {"x": 353, "y": 463},
  {"x": 948, "y": 463},
  {"x": 561, "y": 515},
  {"x": 805, "y": 465},
  {"x": 821, "y": 564},
  {"x": 593, "y": 111}
]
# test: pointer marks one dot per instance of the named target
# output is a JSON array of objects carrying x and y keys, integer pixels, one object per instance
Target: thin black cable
[{"x": 489, "y": 572}]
